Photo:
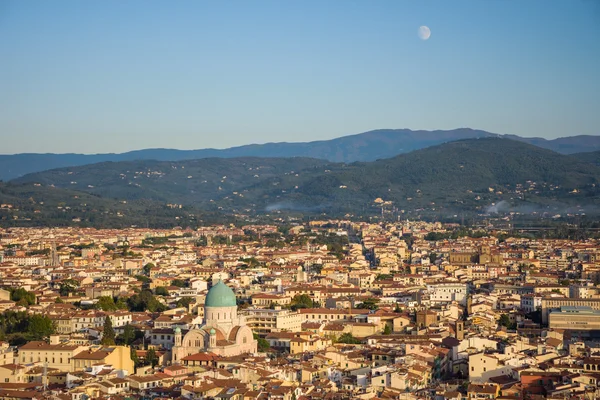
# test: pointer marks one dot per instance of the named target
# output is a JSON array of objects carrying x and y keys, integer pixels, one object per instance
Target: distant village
[{"x": 318, "y": 310}]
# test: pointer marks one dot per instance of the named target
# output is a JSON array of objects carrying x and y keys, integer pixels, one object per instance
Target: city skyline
[{"x": 114, "y": 77}]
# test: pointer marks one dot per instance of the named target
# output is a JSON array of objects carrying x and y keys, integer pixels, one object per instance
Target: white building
[{"x": 447, "y": 292}]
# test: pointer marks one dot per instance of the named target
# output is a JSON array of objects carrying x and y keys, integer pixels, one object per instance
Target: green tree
[
  {"x": 504, "y": 320},
  {"x": 68, "y": 286},
  {"x": 161, "y": 291},
  {"x": 152, "y": 358},
  {"x": 21, "y": 295},
  {"x": 348, "y": 339},
  {"x": 185, "y": 302},
  {"x": 134, "y": 357},
  {"x": 108, "y": 333},
  {"x": 145, "y": 301},
  {"x": 178, "y": 283},
  {"x": 144, "y": 279},
  {"x": 369, "y": 304},
  {"x": 121, "y": 304},
  {"x": 146, "y": 269},
  {"x": 263, "y": 344},
  {"x": 106, "y": 303},
  {"x": 301, "y": 301},
  {"x": 40, "y": 327},
  {"x": 432, "y": 258},
  {"x": 128, "y": 335},
  {"x": 387, "y": 329}
]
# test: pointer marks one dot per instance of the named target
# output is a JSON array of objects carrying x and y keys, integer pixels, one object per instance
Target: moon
[{"x": 424, "y": 32}]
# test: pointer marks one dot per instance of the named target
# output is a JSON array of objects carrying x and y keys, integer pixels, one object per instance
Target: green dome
[{"x": 220, "y": 295}]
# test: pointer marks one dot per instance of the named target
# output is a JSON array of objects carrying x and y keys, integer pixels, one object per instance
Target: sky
[{"x": 112, "y": 76}]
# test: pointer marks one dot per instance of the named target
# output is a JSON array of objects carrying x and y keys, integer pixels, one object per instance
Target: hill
[
  {"x": 469, "y": 175},
  {"x": 191, "y": 182},
  {"x": 368, "y": 146},
  {"x": 37, "y": 205},
  {"x": 591, "y": 157}
]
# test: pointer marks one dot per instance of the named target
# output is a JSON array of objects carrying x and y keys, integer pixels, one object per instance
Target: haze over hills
[
  {"x": 462, "y": 175},
  {"x": 368, "y": 146}
]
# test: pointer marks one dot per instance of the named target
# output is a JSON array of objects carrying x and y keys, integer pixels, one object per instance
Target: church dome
[{"x": 220, "y": 295}]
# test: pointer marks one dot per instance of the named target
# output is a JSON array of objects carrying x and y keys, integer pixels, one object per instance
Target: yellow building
[
  {"x": 12, "y": 373},
  {"x": 580, "y": 318},
  {"x": 305, "y": 341},
  {"x": 57, "y": 356},
  {"x": 119, "y": 357},
  {"x": 267, "y": 299}
]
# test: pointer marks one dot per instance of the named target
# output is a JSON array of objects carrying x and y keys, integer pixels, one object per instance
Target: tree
[
  {"x": 263, "y": 344},
  {"x": 161, "y": 291},
  {"x": 146, "y": 269},
  {"x": 432, "y": 258},
  {"x": 143, "y": 279},
  {"x": 21, "y": 295},
  {"x": 134, "y": 357},
  {"x": 121, "y": 304},
  {"x": 106, "y": 303},
  {"x": 387, "y": 329},
  {"x": 108, "y": 333},
  {"x": 40, "y": 327},
  {"x": 348, "y": 339},
  {"x": 369, "y": 304},
  {"x": 145, "y": 300},
  {"x": 185, "y": 302},
  {"x": 128, "y": 335},
  {"x": 301, "y": 301},
  {"x": 505, "y": 321},
  {"x": 178, "y": 283},
  {"x": 68, "y": 286},
  {"x": 152, "y": 358}
]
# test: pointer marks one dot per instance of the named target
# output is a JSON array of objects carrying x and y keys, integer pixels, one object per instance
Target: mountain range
[
  {"x": 367, "y": 146},
  {"x": 474, "y": 175}
]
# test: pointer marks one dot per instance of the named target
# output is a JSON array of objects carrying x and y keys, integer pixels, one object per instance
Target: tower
[
  {"x": 213, "y": 338},
  {"x": 459, "y": 330},
  {"x": 178, "y": 336},
  {"x": 54, "y": 260}
]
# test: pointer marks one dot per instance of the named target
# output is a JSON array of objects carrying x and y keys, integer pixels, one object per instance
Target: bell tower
[{"x": 178, "y": 336}]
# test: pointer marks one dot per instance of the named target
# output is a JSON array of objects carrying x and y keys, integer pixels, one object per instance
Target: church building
[{"x": 222, "y": 332}]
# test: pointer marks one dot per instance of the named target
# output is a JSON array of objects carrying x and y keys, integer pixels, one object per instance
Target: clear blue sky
[{"x": 112, "y": 76}]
